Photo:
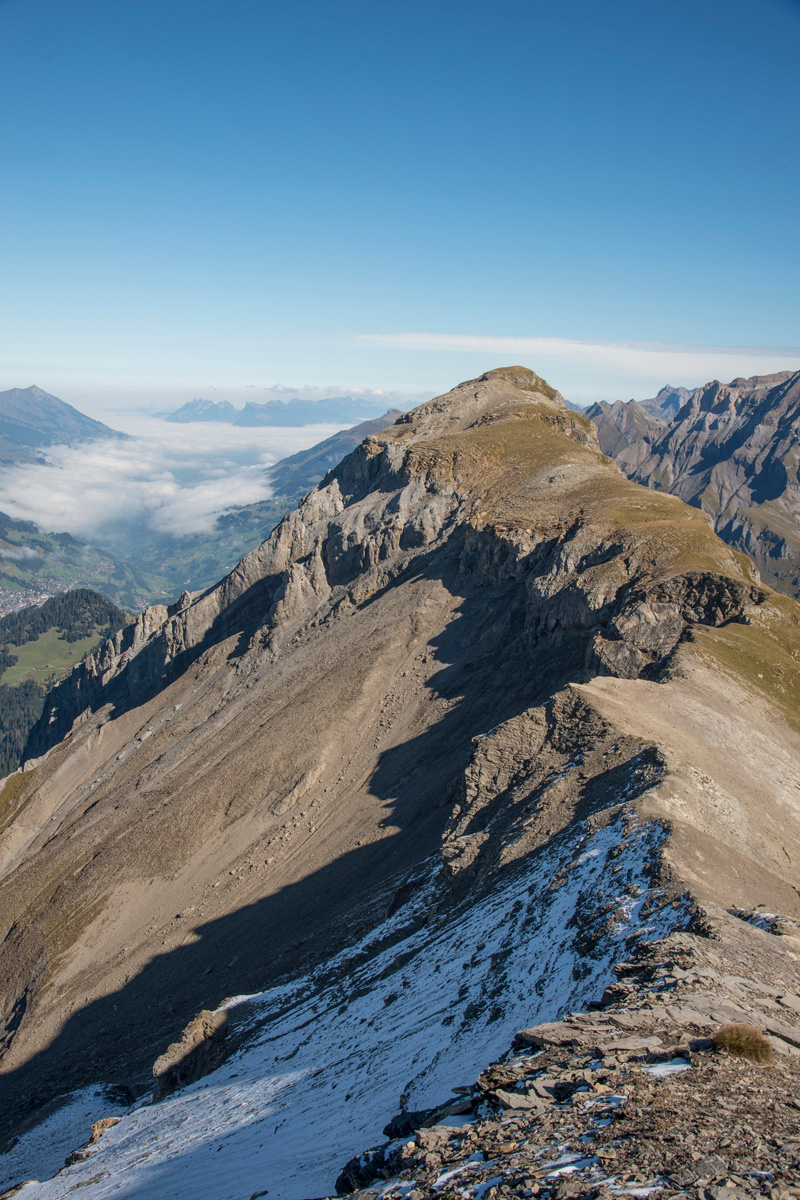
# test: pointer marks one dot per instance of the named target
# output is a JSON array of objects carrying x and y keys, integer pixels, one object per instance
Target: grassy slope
[
  {"x": 48, "y": 657},
  {"x": 672, "y": 536},
  {"x": 530, "y": 446},
  {"x": 764, "y": 656}
]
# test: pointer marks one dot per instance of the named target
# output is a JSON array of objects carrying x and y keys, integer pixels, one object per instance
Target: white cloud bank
[
  {"x": 168, "y": 478},
  {"x": 589, "y": 368}
]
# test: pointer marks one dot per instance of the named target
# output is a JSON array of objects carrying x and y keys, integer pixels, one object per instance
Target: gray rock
[{"x": 732, "y": 451}]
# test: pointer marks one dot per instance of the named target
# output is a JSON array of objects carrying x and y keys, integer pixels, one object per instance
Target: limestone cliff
[
  {"x": 474, "y": 657},
  {"x": 731, "y": 450}
]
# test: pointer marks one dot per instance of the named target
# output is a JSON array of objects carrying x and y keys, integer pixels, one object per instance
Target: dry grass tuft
[{"x": 744, "y": 1040}]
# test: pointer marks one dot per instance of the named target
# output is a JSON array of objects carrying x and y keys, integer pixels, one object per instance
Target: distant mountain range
[
  {"x": 730, "y": 449},
  {"x": 31, "y": 419},
  {"x": 344, "y": 410}
]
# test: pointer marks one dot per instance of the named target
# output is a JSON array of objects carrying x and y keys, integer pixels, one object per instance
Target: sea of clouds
[{"x": 169, "y": 478}]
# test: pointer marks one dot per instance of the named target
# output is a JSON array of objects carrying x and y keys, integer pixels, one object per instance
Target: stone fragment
[{"x": 518, "y": 1100}]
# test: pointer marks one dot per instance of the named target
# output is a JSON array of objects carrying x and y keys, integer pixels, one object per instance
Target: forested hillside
[{"x": 37, "y": 646}]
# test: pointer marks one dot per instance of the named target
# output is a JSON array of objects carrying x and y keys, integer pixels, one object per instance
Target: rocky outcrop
[
  {"x": 631, "y": 1096},
  {"x": 390, "y": 500},
  {"x": 413, "y": 676},
  {"x": 731, "y": 450},
  {"x": 297, "y": 474},
  {"x": 204, "y": 1044}
]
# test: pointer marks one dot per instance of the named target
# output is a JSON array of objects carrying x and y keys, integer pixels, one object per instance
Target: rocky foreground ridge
[
  {"x": 640, "y": 1096},
  {"x": 730, "y": 449},
  {"x": 480, "y": 717}
]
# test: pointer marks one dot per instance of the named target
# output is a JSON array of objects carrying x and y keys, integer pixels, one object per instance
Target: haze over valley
[{"x": 157, "y": 508}]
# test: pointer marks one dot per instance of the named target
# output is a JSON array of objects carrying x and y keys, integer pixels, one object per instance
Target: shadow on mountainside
[
  {"x": 484, "y": 678},
  {"x": 147, "y": 674},
  {"x": 490, "y": 668},
  {"x": 116, "y": 1038}
]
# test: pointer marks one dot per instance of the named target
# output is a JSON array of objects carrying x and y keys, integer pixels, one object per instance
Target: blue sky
[{"x": 207, "y": 194}]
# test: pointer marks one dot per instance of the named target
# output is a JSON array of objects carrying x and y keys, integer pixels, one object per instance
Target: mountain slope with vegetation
[
  {"x": 478, "y": 719},
  {"x": 37, "y": 646}
]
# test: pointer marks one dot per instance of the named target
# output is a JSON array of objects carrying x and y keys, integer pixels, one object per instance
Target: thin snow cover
[
  {"x": 763, "y": 919},
  {"x": 567, "y": 1164},
  {"x": 483, "y": 1188},
  {"x": 659, "y": 1070},
  {"x": 333, "y": 1052},
  {"x": 67, "y": 1126}
]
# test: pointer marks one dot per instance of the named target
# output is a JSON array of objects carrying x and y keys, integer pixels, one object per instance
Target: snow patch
[
  {"x": 329, "y": 1060},
  {"x": 660, "y": 1070}
]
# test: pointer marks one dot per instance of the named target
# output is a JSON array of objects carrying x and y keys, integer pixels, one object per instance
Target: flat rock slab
[
  {"x": 645, "y": 1042},
  {"x": 517, "y": 1100}
]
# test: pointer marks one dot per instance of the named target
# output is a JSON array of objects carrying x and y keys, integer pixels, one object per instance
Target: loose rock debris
[{"x": 632, "y": 1099}]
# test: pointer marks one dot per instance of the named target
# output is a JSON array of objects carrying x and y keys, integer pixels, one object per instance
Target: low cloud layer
[
  {"x": 169, "y": 478},
  {"x": 19, "y": 553}
]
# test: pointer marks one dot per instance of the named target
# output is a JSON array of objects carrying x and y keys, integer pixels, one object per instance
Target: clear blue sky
[{"x": 221, "y": 192}]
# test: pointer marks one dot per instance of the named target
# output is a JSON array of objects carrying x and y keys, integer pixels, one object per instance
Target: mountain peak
[
  {"x": 731, "y": 450},
  {"x": 491, "y": 397},
  {"x": 527, "y": 380},
  {"x": 31, "y": 417},
  {"x": 475, "y": 662}
]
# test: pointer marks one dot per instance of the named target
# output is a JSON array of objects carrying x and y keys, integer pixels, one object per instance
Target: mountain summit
[
  {"x": 479, "y": 717},
  {"x": 32, "y": 418}
]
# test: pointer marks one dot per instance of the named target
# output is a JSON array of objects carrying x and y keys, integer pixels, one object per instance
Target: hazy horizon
[
  {"x": 583, "y": 372},
  {"x": 210, "y": 199}
]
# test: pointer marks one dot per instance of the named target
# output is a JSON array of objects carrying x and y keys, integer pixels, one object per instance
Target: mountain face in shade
[
  {"x": 31, "y": 418},
  {"x": 626, "y": 431},
  {"x": 478, "y": 722},
  {"x": 732, "y": 450}
]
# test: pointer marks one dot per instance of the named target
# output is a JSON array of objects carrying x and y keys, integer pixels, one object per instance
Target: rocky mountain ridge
[
  {"x": 297, "y": 474},
  {"x": 731, "y": 450},
  {"x": 479, "y": 700},
  {"x": 637, "y": 1095},
  {"x": 328, "y": 553}
]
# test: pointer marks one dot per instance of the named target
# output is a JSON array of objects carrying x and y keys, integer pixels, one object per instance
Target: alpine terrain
[
  {"x": 730, "y": 449},
  {"x": 134, "y": 564},
  {"x": 31, "y": 418},
  {"x": 431, "y": 852}
]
